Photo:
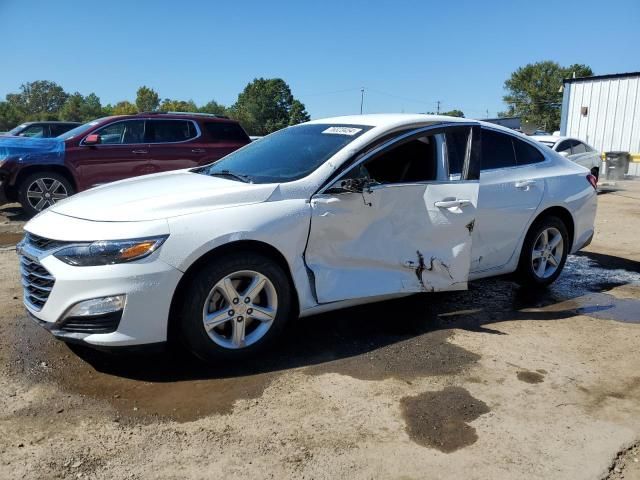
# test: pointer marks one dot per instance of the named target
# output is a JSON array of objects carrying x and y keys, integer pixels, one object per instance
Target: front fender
[{"x": 283, "y": 224}]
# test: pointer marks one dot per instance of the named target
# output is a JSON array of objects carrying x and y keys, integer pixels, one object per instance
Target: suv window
[
  {"x": 413, "y": 161},
  {"x": 525, "y": 153},
  {"x": 34, "y": 131},
  {"x": 497, "y": 150},
  {"x": 166, "y": 131},
  {"x": 226, "y": 132},
  {"x": 124, "y": 132},
  {"x": 59, "y": 129},
  {"x": 578, "y": 147},
  {"x": 565, "y": 146}
]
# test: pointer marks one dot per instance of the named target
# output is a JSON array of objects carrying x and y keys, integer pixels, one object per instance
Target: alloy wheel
[
  {"x": 240, "y": 309},
  {"x": 547, "y": 252},
  {"x": 44, "y": 192}
]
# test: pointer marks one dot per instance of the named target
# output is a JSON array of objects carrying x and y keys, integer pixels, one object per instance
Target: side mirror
[
  {"x": 348, "y": 185},
  {"x": 93, "y": 139}
]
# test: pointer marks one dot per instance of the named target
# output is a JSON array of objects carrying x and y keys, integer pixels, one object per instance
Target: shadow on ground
[{"x": 403, "y": 339}]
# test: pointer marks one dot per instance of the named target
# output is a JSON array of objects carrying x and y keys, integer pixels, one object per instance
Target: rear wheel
[
  {"x": 237, "y": 307},
  {"x": 544, "y": 252},
  {"x": 41, "y": 190}
]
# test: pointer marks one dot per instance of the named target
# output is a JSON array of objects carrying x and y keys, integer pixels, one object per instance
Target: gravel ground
[{"x": 496, "y": 382}]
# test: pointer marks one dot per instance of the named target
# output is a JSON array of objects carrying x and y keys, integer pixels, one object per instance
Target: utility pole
[
  {"x": 487, "y": 113},
  {"x": 438, "y": 109},
  {"x": 361, "y": 99}
]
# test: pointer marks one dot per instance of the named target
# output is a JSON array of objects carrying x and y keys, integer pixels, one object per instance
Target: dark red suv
[{"x": 39, "y": 172}]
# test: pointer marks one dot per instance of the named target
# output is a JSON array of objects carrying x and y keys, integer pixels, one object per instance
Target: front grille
[
  {"x": 37, "y": 282},
  {"x": 42, "y": 243}
]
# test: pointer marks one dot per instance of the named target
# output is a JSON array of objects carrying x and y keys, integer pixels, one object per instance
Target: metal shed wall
[{"x": 612, "y": 121}]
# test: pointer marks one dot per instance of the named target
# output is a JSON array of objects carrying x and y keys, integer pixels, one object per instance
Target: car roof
[
  {"x": 52, "y": 122},
  {"x": 176, "y": 116}
]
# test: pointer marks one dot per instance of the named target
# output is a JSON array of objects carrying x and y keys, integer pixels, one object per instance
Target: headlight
[{"x": 108, "y": 252}]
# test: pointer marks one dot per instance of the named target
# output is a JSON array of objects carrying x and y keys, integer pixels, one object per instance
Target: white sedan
[
  {"x": 315, "y": 217},
  {"x": 575, "y": 150}
]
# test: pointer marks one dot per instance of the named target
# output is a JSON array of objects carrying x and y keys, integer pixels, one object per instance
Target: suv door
[
  {"x": 511, "y": 188},
  {"x": 121, "y": 153},
  {"x": 172, "y": 144},
  {"x": 408, "y": 230}
]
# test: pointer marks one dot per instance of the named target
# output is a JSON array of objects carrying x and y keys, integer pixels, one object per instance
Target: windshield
[
  {"x": 286, "y": 155},
  {"x": 81, "y": 129},
  {"x": 17, "y": 130}
]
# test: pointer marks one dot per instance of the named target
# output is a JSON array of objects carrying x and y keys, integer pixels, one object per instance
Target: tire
[
  {"x": 530, "y": 271},
  {"x": 595, "y": 171},
  {"x": 209, "y": 293},
  {"x": 41, "y": 190}
]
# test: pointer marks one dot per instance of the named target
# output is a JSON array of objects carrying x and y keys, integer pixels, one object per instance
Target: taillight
[{"x": 592, "y": 180}]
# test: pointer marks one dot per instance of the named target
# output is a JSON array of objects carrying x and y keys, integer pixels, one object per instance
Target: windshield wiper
[{"x": 236, "y": 176}]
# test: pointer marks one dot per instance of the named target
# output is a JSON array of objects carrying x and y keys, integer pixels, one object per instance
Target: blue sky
[{"x": 407, "y": 55}]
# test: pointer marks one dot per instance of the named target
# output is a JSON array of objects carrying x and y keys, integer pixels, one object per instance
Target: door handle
[
  {"x": 452, "y": 203},
  {"x": 139, "y": 152},
  {"x": 524, "y": 184},
  {"x": 198, "y": 150}
]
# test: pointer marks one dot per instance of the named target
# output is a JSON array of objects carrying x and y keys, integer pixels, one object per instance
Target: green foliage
[
  {"x": 169, "y": 105},
  {"x": 213, "y": 107},
  {"x": 147, "y": 99},
  {"x": 41, "y": 99},
  {"x": 124, "y": 108},
  {"x": 266, "y": 105},
  {"x": 534, "y": 92},
  {"x": 450, "y": 113}
]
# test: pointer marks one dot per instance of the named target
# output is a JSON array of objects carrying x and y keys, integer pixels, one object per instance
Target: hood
[
  {"x": 24, "y": 148},
  {"x": 162, "y": 195}
]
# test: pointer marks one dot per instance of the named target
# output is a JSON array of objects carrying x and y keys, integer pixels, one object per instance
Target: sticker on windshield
[{"x": 342, "y": 131}]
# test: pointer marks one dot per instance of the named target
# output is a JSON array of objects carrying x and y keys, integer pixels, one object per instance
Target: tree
[
  {"x": 9, "y": 116},
  {"x": 534, "y": 92},
  {"x": 72, "y": 108},
  {"x": 92, "y": 108},
  {"x": 298, "y": 113},
  {"x": 39, "y": 100},
  {"x": 266, "y": 105},
  {"x": 169, "y": 105},
  {"x": 124, "y": 108},
  {"x": 147, "y": 99},
  {"x": 450, "y": 113},
  {"x": 213, "y": 107}
]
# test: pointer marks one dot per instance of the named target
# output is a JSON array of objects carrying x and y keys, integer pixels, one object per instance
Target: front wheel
[
  {"x": 544, "y": 252},
  {"x": 41, "y": 190},
  {"x": 237, "y": 307}
]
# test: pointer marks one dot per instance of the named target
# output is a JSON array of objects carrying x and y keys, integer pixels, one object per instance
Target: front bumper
[{"x": 148, "y": 284}]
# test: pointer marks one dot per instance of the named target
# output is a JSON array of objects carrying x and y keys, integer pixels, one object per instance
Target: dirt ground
[{"x": 496, "y": 382}]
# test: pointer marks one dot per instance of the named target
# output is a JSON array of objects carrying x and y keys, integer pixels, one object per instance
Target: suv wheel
[
  {"x": 237, "y": 306},
  {"x": 544, "y": 252},
  {"x": 41, "y": 190}
]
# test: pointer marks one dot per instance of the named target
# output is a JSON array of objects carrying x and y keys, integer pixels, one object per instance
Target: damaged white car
[{"x": 315, "y": 217}]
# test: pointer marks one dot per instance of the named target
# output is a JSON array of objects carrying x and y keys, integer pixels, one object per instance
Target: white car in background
[
  {"x": 575, "y": 150},
  {"x": 314, "y": 217}
]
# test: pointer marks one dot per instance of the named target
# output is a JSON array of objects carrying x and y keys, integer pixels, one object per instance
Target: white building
[{"x": 604, "y": 111}]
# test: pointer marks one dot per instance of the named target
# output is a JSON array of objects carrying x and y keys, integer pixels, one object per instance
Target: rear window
[
  {"x": 168, "y": 131},
  {"x": 526, "y": 154},
  {"x": 226, "y": 132}
]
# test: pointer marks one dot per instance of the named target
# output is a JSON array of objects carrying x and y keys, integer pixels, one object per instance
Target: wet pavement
[{"x": 372, "y": 342}]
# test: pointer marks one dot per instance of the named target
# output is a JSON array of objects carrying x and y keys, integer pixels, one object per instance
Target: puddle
[
  {"x": 9, "y": 239},
  {"x": 402, "y": 339},
  {"x": 530, "y": 377},
  {"x": 441, "y": 419}
]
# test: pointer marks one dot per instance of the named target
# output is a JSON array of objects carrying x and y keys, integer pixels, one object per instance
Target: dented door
[{"x": 391, "y": 239}]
